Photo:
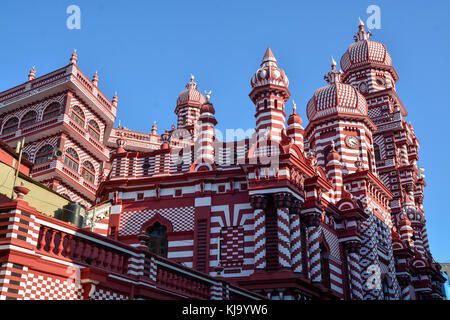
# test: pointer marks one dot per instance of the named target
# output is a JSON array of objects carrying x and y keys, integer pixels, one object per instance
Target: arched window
[
  {"x": 51, "y": 111},
  {"x": 276, "y": 104},
  {"x": 94, "y": 129},
  {"x": 44, "y": 154},
  {"x": 88, "y": 171},
  {"x": 157, "y": 242},
  {"x": 324, "y": 265},
  {"x": 376, "y": 151},
  {"x": 265, "y": 103},
  {"x": 11, "y": 125},
  {"x": 71, "y": 159},
  {"x": 77, "y": 115},
  {"x": 28, "y": 119}
]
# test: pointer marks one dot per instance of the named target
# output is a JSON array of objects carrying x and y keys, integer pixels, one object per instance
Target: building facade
[{"x": 330, "y": 211}]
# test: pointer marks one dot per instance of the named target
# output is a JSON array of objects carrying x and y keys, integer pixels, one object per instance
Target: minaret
[
  {"x": 207, "y": 122},
  {"x": 32, "y": 74},
  {"x": 270, "y": 93},
  {"x": 95, "y": 79},
  {"x": 334, "y": 171},
  {"x": 188, "y": 105},
  {"x": 74, "y": 57},
  {"x": 295, "y": 129}
]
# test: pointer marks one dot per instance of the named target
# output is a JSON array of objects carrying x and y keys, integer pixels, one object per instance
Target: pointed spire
[
  {"x": 362, "y": 35},
  {"x": 95, "y": 79},
  {"x": 74, "y": 57},
  {"x": 333, "y": 76},
  {"x": 269, "y": 57},
  {"x": 32, "y": 74},
  {"x": 115, "y": 99},
  {"x": 154, "y": 128},
  {"x": 294, "y": 107}
]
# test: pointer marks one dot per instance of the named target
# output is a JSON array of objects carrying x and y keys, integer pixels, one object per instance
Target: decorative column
[
  {"x": 404, "y": 282},
  {"x": 312, "y": 222},
  {"x": 354, "y": 269},
  {"x": 296, "y": 239},
  {"x": 282, "y": 203},
  {"x": 259, "y": 205}
]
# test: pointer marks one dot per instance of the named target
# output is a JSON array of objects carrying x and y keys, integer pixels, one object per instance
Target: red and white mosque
[{"x": 330, "y": 211}]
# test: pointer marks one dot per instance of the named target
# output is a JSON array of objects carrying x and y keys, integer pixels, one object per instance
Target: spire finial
[
  {"x": 208, "y": 95},
  {"x": 32, "y": 74},
  {"x": 333, "y": 76},
  {"x": 332, "y": 145},
  {"x": 294, "y": 107},
  {"x": 95, "y": 78},
  {"x": 361, "y": 23},
  {"x": 115, "y": 99},
  {"x": 269, "y": 57},
  {"x": 74, "y": 57},
  {"x": 333, "y": 63}
]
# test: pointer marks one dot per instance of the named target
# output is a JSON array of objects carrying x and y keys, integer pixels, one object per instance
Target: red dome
[
  {"x": 336, "y": 98},
  {"x": 269, "y": 73},
  {"x": 365, "y": 52},
  {"x": 191, "y": 96}
]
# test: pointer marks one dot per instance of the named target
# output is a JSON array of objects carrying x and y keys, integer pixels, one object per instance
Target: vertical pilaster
[
  {"x": 283, "y": 202},
  {"x": 295, "y": 237},
  {"x": 353, "y": 261},
  {"x": 312, "y": 222},
  {"x": 259, "y": 205}
]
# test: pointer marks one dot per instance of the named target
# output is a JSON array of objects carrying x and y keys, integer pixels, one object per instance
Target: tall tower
[
  {"x": 269, "y": 94},
  {"x": 368, "y": 66}
]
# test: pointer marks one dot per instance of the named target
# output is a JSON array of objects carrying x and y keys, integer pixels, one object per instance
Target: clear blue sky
[{"x": 146, "y": 50}]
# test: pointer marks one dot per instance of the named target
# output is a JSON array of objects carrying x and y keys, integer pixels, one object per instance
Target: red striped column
[
  {"x": 404, "y": 282},
  {"x": 283, "y": 202},
  {"x": 296, "y": 239},
  {"x": 354, "y": 267},
  {"x": 259, "y": 205},
  {"x": 312, "y": 222},
  {"x": 205, "y": 141}
]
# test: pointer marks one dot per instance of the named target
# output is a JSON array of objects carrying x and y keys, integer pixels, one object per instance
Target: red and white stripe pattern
[
  {"x": 354, "y": 267},
  {"x": 296, "y": 243},
  {"x": 205, "y": 141},
  {"x": 406, "y": 292},
  {"x": 284, "y": 244},
  {"x": 259, "y": 205},
  {"x": 314, "y": 253}
]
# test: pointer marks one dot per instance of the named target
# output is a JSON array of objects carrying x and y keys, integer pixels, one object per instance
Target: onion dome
[
  {"x": 269, "y": 73},
  {"x": 365, "y": 52},
  {"x": 294, "y": 117},
  {"x": 207, "y": 111},
  {"x": 336, "y": 99},
  {"x": 191, "y": 96}
]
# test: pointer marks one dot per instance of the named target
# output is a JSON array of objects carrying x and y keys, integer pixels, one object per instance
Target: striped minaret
[
  {"x": 296, "y": 239},
  {"x": 283, "y": 202},
  {"x": 295, "y": 129},
  {"x": 259, "y": 205},
  {"x": 269, "y": 95},
  {"x": 205, "y": 143},
  {"x": 354, "y": 268}
]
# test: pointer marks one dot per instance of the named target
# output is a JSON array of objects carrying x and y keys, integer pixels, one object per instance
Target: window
[
  {"x": 324, "y": 265},
  {"x": 44, "y": 154},
  {"x": 265, "y": 103},
  {"x": 376, "y": 151},
  {"x": 94, "y": 129},
  {"x": 11, "y": 125},
  {"x": 88, "y": 172},
  {"x": 77, "y": 115},
  {"x": 28, "y": 119},
  {"x": 71, "y": 159},
  {"x": 158, "y": 243},
  {"x": 51, "y": 111}
]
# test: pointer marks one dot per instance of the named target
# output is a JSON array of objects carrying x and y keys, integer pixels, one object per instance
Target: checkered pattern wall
[
  {"x": 182, "y": 219},
  {"x": 232, "y": 251},
  {"x": 103, "y": 294},
  {"x": 43, "y": 287}
]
